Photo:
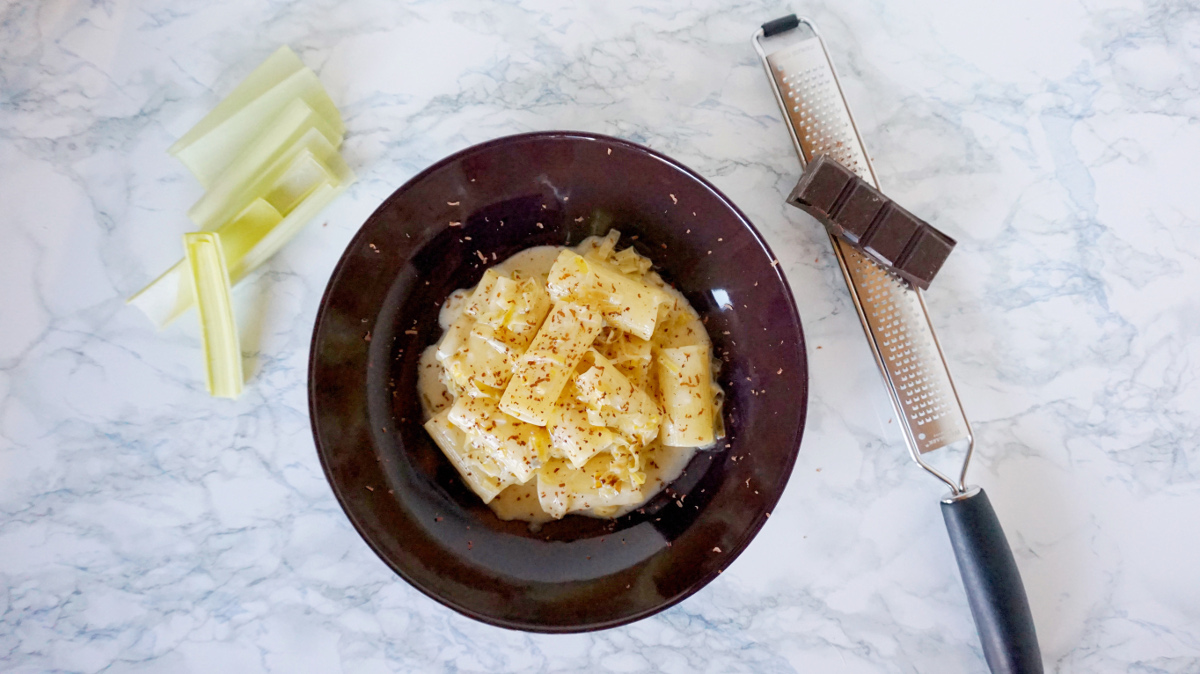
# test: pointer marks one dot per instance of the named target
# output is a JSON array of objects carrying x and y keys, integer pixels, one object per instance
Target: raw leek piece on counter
[
  {"x": 268, "y": 158},
  {"x": 267, "y": 180},
  {"x": 302, "y": 176},
  {"x": 280, "y": 234},
  {"x": 171, "y": 294},
  {"x": 284, "y": 133},
  {"x": 302, "y": 189},
  {"x": 254, "y": 237},
  {"x": 218, "y": 331},
  {"x": 276, "y": 68},
  {"x": 217, "y": 140}
]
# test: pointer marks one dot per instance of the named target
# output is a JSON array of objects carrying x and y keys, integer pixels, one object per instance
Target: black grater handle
[
  {"x": 780, "y": 25},
  {"x": 993, "y": 583}
]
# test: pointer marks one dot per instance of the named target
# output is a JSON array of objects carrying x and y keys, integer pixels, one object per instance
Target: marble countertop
[{"x": 145, "y": 526}]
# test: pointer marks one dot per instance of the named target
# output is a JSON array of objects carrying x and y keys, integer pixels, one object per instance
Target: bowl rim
[{"x": 731, "y": 555}]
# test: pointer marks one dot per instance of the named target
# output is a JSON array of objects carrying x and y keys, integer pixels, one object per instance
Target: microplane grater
[
  {"x": 897, "y": 327},
  {"x": 892, "y": 311}
]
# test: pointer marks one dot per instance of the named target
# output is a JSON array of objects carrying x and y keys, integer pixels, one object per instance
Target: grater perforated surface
[
  {"x": 815, "y": 107},
  {"x": 893, "y": 312}
]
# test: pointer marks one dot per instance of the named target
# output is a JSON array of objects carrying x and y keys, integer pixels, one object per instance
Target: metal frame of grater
[{"x": 892, "y": 311}]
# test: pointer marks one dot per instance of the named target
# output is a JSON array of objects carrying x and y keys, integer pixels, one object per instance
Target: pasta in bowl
[
  {"x": 456, "y": 226},
  {"x": 570, "y": 381}
]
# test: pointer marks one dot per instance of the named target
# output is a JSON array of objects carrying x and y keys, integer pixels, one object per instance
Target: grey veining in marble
[{"x": 145, "y": 526}]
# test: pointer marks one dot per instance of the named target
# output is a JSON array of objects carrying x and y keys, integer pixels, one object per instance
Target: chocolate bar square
[
  {"x": 857, "y": 210},
  {"x": 924, "y": 256},
  {"x": 891, "y": 235},
  {"x": 820, "y": 185}
]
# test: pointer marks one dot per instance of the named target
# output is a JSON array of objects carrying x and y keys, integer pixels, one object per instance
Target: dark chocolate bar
[{"x": 869, "y": 221}]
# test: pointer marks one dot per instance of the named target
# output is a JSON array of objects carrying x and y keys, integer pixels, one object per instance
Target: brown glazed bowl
[{"x": 380, "y": 310}]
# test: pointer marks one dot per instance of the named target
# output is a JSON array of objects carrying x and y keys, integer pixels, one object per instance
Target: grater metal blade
[{"x": 892, "y": 311}]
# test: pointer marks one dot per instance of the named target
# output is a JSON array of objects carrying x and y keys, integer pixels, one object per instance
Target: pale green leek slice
[
  {"x": 291, "y": 159},
  {"x": 301, "y": 178},
  {"x": 280, "y": 234},
  {"x": 218, "y": 331},
  {"x": 241, "y": 235},
  {"x": 216, "y": 140},
  {"x": 282, "y": 135},
  {"x": 171, "y": 294},
  {"x": 269, "y": 73}
]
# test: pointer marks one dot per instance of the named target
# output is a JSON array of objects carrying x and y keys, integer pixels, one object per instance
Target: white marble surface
[{"x": 147, "y": 527}]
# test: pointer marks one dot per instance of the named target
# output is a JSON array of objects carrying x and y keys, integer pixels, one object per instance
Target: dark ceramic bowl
[{"x": 380, "y": 311}]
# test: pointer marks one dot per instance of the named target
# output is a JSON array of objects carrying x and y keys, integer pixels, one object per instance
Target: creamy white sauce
[
  {"x": 662, "y": 465},
  {"x": 434, "y": 396}
]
